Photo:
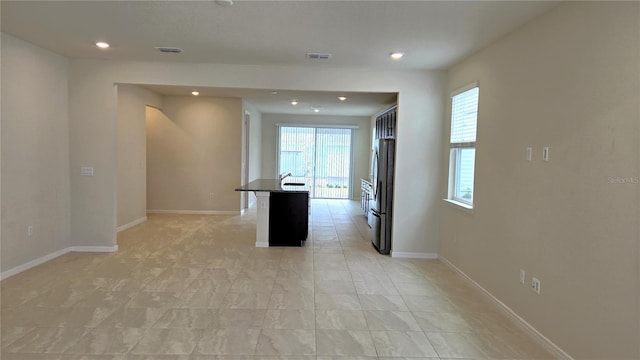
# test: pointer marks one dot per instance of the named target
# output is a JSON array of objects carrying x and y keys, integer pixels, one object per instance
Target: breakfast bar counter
[
  {"x": 273, "y": 185},
  {"x": 283, "y": 212}
]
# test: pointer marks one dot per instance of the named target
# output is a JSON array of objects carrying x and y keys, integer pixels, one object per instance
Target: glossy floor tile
[{"x": 194, "y": 287}]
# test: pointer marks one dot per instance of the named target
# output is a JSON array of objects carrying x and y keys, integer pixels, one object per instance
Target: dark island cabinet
[{"x": 288, "y": 218}]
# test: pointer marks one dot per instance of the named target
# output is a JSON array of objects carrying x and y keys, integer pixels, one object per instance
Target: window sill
[{"x": 458, "y": 205}]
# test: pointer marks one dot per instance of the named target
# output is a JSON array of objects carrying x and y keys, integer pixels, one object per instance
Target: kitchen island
[{"x": 282, "y": 212}]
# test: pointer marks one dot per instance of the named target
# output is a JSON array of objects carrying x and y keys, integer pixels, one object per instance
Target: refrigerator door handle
[{"x": 375, "y": 212}]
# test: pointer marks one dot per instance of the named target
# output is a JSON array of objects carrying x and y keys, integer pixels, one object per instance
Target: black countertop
[{"x": 272, "y": 185}]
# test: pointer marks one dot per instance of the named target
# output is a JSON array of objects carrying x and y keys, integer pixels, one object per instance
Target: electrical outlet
[
  {"x": 535, "y": 285},
  {"x": 522, "y": 276},
  {"x": 211, "y": 195}
]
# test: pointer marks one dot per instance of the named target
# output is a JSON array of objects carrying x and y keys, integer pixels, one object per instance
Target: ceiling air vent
[
  {"x": 169, "y": 49},
  {"x": 318, "y": 56}
]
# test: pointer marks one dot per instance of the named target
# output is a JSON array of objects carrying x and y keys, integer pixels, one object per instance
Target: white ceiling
[{"x": 358, "y": 34}]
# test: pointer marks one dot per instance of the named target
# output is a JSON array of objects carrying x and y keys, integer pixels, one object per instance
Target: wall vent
[
  {"x": 169, "y": 49},
  {"x": 318, "y": 56}
]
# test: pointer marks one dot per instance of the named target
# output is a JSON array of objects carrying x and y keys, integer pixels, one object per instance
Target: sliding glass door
[{"x": 319, "y": 156}]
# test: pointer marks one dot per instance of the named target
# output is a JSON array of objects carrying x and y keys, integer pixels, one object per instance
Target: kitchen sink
[{"x": 293, "y": 184}]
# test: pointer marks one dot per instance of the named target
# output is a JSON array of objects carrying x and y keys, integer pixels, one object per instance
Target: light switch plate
[{"x": 86, "y": 171}]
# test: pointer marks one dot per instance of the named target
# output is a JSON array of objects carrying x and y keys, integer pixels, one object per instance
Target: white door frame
[{"x": 245, "y": 157}]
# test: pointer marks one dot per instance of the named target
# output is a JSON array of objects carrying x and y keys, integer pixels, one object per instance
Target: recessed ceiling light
[
  {"x": 396, "y": 55},
  {"x": 224, "y": 2},
  {"x": 195, "y": 93},
  {"x": 274, "y": 92},
  {"x": 342, "y": 98},
  {"x": 102, "y": 45},
  {"x": 316, "y": 110},
  {"x": 294, "y": 102}
]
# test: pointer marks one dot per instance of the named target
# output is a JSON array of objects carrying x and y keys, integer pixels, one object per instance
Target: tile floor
[{"x": 191, "y": 287}]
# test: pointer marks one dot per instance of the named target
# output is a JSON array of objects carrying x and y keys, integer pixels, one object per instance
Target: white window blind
[
  {"x": 464, "y": 116},
  {"x": 319, "y": 156}
]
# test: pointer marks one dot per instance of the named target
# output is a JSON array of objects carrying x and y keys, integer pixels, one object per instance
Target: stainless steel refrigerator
[{"x": 382, "y": 204}]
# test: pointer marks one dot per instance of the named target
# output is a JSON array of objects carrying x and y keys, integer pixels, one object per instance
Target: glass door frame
[{"x": 316, "y": 127}]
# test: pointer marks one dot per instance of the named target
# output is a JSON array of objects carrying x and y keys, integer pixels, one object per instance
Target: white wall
[
  {"x": 93, "y": 134},
  {"x": 132, "y": 152},
  {"x": 416, "y": 208},
  {"x": 255, "y": 146},
  {"x": 194, "y": 147},
  {"x": 35, "y": 152},
  {"x": 361, "y": 142},
  {"x": 568, "y": 80}
]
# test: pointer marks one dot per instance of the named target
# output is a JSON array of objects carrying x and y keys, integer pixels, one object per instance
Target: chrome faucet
[{"x": 282, "y": 177}]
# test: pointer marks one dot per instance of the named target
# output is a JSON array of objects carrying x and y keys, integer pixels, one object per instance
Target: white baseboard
[
  {"x": 252, "y": 205},
  {"x": 193, "y": 212},
  {"x": 414, "y": 255},
  {"x": 33, "y": 263},
  {"x": 41, "y": 260},
  {"x": 522, "y": 323},
  {"x": 131, "y": 224},
  {"x": 262, "y": 244},
  {"x": 113, "y": 248}
]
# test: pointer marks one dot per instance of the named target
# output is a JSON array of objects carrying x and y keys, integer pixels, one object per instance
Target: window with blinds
[
  {"x": 464, "y": 123},
  {"x": 320, "y": 157}
]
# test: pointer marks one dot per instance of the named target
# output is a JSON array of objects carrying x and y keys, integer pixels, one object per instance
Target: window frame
[{"x": 455, "y": 154}]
